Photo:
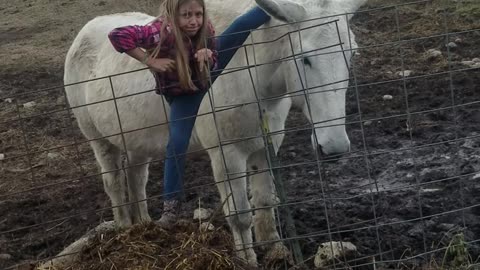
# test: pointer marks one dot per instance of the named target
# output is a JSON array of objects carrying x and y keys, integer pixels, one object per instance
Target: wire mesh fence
[{"x": 404, "y": 194}]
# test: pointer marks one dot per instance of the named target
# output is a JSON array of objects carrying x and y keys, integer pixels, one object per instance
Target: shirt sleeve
[
  {"x": 212, "y": 45},
  {"x": 130, "y": 37}
]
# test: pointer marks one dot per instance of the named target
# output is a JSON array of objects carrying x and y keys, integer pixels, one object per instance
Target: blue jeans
[{"x": 184, "y": 109}]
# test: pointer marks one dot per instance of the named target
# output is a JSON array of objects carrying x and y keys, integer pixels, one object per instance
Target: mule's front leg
[
  {"x": 264, "y": 199},
  {"x": 234, "y": 197}
]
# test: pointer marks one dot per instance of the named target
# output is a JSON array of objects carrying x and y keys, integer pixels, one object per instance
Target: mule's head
[{"x": 318, "y": 76}]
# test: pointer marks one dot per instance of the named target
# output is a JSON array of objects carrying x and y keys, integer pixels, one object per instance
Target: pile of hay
[{"x": 148, "y": 246}]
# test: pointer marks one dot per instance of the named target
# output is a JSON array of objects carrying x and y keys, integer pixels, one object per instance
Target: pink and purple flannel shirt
[{"x": 147, "y": 37}]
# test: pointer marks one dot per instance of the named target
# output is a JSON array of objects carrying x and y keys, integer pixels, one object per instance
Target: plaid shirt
[{"x": 147, "y": 37}]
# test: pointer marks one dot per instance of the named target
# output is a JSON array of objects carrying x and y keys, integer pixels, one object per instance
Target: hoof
[{"x": 278, "y": 253}]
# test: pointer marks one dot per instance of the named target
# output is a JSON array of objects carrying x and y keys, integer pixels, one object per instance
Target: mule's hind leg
[
  {"x": 263, "y": 193},
  {"x": 234, "y": 197},
  {"x": 137, "y": 177},
  {"x": 109, "y": 158}
]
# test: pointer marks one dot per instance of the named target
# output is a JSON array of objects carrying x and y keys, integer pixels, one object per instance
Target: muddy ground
[{"x": 409, "y": 185}]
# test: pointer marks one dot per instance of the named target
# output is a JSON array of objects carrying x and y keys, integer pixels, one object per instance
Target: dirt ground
[{"x": 413, "y": 191}]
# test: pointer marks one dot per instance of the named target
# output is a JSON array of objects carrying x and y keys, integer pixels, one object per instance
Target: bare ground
[{"x": 400, "y": 200}]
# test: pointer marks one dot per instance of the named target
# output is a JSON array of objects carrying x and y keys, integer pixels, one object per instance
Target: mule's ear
[{"x": 283, "y": 10}]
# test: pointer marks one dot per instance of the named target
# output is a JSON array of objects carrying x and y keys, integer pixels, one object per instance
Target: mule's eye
[{"x": 306, "y": 62}]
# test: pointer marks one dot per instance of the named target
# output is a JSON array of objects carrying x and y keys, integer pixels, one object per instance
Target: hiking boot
[{"x": 169, "y": 215}]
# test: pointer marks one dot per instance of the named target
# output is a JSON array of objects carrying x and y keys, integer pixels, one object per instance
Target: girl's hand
[
  {"x": 203, "y": 55},
  {"x": 161, "y": 64}
]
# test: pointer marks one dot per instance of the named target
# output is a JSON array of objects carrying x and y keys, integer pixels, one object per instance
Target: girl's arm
[
  {"x": 212, "y": 44},
  {"x": 156, "y": 64},
  {"x": 130, "y": 37},
  {"x": 129, "y": 40}
]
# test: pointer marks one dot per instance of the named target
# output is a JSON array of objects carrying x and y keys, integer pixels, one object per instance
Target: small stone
[
  {"x": 470, "y": 144},
  {"x": 405, "y": 164},
  {"x": 9, "y": 100},
  {"x": 476, "y": 176},
  {"x": 476, "y": 60},
  {"x": 333, "y": 250},
  {"x": 53, "y": 156},
  {"x": 202, "y": 214},
  {"x": 292, "y": 154},
  {"x": 367, "y": 123},
  {"x": 429, "y": 190},
  {"x": 387, "y": 97},
  {"x": 207, "y": 226},
  {"x": 405, "y": 73},
  {"x": 30, "y": 104},
  {"x": 452, "y": 45},
  {"x": 433, "y": 53},
  {"x": 468, "y": 63},
  {"x": 2, "y": 156},
  {"x": 5, "y": 257}
]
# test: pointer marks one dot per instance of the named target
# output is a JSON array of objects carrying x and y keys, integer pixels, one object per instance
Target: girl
[{"x": 180, "y": 50}]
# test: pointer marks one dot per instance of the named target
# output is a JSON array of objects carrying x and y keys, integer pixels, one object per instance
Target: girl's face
[{"x": 190, "y": 17}]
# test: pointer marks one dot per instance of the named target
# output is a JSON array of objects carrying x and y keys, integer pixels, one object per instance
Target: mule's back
[{"x": 92, "y": 56}]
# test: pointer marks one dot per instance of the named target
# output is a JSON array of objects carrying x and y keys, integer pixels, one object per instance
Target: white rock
[
  {"x": 202, "y": 214},
  {"x": 367, "y": 123},
  {"x": 5, "y": 257},
  {"x": 429, "y": 190},
  {"x": 53, "y": 156},
  {"x": 387, "y": 97},
  {"x": 433, "y": 53},
  {"x": 405, "y": 73},
  {"x": 476, "y": 176},
  {"x": 207, "y": 226},
  {"x": 476, "y": 60},
  {"x": 471, "y": 64},
  {"x": 331, "y": 251},
  {"x": 458, "y": 40},
  {"x": 30, "y": 104},
  {"x": 452, "y": 45},
  {"x": 2, "y": 156},
  {"x": 9, "y": 100}
]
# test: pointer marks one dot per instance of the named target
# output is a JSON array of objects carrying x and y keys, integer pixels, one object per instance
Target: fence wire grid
[{"x": 402, "y": 194}]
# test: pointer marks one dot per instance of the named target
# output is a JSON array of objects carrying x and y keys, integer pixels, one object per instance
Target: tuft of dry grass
[{"x": 148, "y": 246}]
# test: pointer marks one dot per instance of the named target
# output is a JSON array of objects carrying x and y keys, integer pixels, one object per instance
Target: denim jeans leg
[
  {"x": 183, "y": 112},
  {"x": 235, "y": 35}
]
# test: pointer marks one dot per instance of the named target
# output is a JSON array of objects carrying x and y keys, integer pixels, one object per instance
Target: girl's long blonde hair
[{"x": 169, "y": 11}]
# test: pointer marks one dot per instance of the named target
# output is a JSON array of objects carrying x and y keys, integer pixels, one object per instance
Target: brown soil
[{"x": 424, "y": 153}]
